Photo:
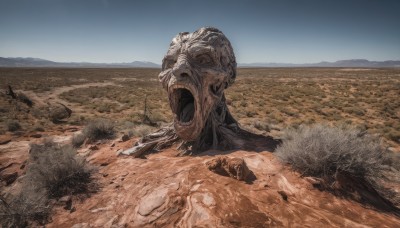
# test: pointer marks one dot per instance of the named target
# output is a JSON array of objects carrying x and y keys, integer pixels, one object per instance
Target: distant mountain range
[
  {"x": 36, "y": 62},
  {"x": 340, "y": 63}
]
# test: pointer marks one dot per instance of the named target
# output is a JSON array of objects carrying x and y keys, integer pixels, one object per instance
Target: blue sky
[{"x": 297, "y": 31}]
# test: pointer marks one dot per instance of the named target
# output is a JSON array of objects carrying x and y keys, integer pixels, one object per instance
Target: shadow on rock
[{"x": 235, "y": 168}]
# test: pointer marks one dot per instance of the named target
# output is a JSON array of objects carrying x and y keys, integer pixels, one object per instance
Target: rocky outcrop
[
  {"x": 164, "y": 190},
  {"x": 232, "y": 167}
]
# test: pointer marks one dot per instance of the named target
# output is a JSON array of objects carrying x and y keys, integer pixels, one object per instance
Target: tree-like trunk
[{"x": 221, "y": 132}]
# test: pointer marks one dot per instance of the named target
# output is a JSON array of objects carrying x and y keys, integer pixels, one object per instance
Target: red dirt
[{"x": 169, "y": 191}]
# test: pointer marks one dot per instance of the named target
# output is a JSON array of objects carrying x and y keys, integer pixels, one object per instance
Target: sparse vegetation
[
  {"x": 141, "y": 130},
  {"x": 26, "y": 207},
  {"x": 334, "y": 154},
  {"x": 13, "y": 125},
  {"x": 25, "y": 99},
  {"x": 282, "y": 96},
  {"x": 322, "y": 151},
  {"x": 58, "y": 170},
  {"x": 264, "y": 101},
  {"x": 99, "y": 129},
  {"x": 78, "y": 140},
  {"x": 53, "y": 171}
]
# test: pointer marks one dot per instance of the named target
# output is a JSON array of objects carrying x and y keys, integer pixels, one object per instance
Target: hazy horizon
[
  {"x": 101, "y": 31},
  {"x": 240, "y": 63}
]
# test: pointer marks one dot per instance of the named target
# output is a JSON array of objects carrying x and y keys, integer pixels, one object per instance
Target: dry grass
[
  {"x": 265, "y": 101},
  {"x": 78, "y": 139},
  {"x": 276, "y": 97},
  {"x": 290, "y": 97},
  {"x": 343, "y": 157},
  {"x": 53, "y": 171},
  {"x": 99, "y": 129},
  {"x": 58, "y": 170},
  {"x": 322, "y": 151},
  {"x": 13, "y": 125},
  {"x": 23, "y": 209}
]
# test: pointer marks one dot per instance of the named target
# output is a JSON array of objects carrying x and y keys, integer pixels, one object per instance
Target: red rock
[
  {"x": 4, "y": 139},
  {"x": 166, "y": 190},
  {"x": 233, "y": 167},
  {"x": 170, "y": 191},
  {"x": 93, "y": 147}
]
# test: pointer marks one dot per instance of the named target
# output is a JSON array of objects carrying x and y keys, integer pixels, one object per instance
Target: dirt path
[{"x": 42, "y": 99}]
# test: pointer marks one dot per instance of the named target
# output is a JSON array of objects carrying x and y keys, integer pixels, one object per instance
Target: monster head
[{"x": 196, "y": 70}]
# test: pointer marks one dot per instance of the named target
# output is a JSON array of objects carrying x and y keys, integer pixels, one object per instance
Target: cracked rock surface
[{"x": 165, "y": 190}]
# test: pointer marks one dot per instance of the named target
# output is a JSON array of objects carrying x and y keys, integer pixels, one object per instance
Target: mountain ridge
[
  {"x": 38, "y": 62},
  {"x": 338, "y": 63}
]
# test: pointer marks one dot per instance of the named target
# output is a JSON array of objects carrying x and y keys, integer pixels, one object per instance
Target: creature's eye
[
  {"x": 204, "y": 59},
  {"x": 168, "y": 63}
]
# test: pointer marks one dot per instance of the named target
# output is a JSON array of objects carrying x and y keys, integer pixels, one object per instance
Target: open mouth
[{"x": 184, "y": 106}]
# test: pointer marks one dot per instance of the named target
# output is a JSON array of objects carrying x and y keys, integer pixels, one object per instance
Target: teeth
[{"x": 180, "y": 86}]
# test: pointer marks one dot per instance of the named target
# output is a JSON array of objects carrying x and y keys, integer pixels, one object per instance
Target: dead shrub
[
  {"x": 339, "y": 155},
  {"x": 261, "y": 125},
  {"x": 13, "y": 125},
  {"x": 58, "y": 170},
  {"x": 53, "y": 171},
  {"x": 322, "y": 151},
  {"x": 141, "y": 130},
  {"x": 25, "y": 99},
  {"x": 3, "y": 110},
  {"x": 38, "y": 128},
  {"x": 27, "y": 207},
  {"x": 78, "y": 140},
  {"x": 99, "y": 129}
]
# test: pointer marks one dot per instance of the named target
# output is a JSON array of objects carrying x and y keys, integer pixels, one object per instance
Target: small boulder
[
  {"x": 58, "y": 112},
  {"x": 232, "y": 167}
]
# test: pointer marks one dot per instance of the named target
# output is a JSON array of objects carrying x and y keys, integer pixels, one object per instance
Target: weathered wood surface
[{"x": 196, "y": 70}]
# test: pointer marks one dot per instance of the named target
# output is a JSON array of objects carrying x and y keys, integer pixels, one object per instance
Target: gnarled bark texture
[{"x": 196, "y": 70}]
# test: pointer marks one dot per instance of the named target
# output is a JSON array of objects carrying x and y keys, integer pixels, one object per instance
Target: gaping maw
[{"x": 185, "y": 106}]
